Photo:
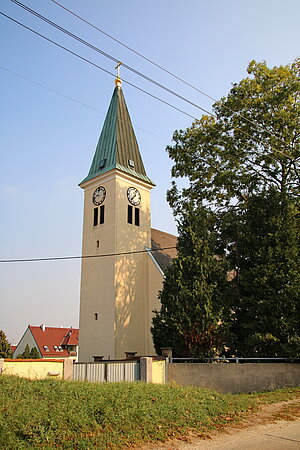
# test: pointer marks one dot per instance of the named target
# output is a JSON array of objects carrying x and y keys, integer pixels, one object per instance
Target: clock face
[
  {"x": 134, "y": 196},
  {"x": 99, "y": 195}
]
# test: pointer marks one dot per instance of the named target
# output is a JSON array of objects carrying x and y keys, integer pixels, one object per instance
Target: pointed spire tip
[{"x": 118, "y": 80}]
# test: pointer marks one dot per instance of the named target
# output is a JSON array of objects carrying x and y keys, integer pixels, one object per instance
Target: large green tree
[
  {"x": 193, "y": 306},
  {"x": 242, "y": 165},
  {"x": 5, "y": 347},
  {"x": 266, "y": 289}
]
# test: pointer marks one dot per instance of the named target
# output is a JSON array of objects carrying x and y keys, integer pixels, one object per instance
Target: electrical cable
[
  {"x": 96, "y": 65},
  {"x": 74, "y": 100},
  {"x": 157, "y": 98},
  {"x": 144, "y": 76},
  {"x": 107, "y": 55},
  {"x": 159, "y": 66},
  {"x": 103, "y": 255}
]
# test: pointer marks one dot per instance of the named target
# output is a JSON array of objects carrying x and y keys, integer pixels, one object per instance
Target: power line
[
  {"x": 96, "y": 65},
  {"x": 163, "y": 69},
  {"x": 104, "y": 255},
  {"x": 73, "y": 99},
  {"x": 107, "y": 55},
  {"x": 134, "y": 51},
  {"x": 142, "y": 90}
]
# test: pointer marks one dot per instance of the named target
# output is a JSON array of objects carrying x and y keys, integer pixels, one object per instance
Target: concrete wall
[
  {"x": 36, "y": 369},
  {"x": 235, "y": 378},
  {"x": 153, "y": 371}
]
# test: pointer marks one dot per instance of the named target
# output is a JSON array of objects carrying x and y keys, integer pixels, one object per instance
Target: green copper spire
[{"x": 117, "y": 146}]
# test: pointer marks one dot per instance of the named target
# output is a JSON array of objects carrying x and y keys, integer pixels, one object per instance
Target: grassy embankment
[{"x": 82, "y": 415}]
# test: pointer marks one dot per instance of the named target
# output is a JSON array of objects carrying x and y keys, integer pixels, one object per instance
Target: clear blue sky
[{"x": 47, "y": 140}]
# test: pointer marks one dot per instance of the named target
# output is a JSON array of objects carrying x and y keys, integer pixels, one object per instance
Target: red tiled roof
[
  {"x": 13, "y": 347},
  {"x": 52, "y": 336}
]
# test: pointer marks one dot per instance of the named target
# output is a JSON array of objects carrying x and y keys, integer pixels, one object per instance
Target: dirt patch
[{"x": 266, "y": 419}]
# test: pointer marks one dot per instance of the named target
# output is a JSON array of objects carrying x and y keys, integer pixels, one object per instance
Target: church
[{"x": 121, "y": 272}]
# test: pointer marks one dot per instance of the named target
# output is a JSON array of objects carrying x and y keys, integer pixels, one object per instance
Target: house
[
  {"x": 50, "y": 342},
  {"x": 124, "y": 259}
]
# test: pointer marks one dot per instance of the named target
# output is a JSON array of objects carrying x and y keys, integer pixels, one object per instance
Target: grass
[{"x": 80, "y": 415}]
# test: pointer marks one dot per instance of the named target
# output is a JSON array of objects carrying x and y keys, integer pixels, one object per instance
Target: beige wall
[
  {"x": 34, "y": 369},
  {"x": 116, "y": 287},
  {"x": 235, "y": 378},
  {"x": 158, "y": 372}
]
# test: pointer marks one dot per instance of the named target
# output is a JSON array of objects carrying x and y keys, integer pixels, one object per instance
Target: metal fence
[
  {"x": 102, "y": 372},
  {"x": 235, "y": 360}
]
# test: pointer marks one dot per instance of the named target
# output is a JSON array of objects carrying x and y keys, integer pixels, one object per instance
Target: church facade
[{"x": 120, "y": 274}]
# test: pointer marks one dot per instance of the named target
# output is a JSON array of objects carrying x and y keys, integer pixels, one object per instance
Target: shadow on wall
[{"x": 132, "y": 289}]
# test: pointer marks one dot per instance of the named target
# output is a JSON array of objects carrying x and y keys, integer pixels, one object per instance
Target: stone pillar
[
  {"x": 146, "y": 369},
  {"x": 68, "y": 369},
  {"x": 1, "y": 364},
  {"x": 168, "y": 353}
]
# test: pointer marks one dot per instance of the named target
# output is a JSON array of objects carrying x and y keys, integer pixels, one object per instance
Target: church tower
[{"x": 114, "y": 300}]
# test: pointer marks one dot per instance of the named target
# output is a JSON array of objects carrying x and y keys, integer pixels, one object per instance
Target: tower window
[
  {"x": 102, "y": 214},
  {"x": 95, "y": 217},
  {"x": 96, "y": 316},
  {"x": 131, "y": 163},
  {"x": 98, "y": 244},
  {"x": 102, "y": 163},
  {"x": 137, "y": 217},
  {"x": 129, "y": 214}
]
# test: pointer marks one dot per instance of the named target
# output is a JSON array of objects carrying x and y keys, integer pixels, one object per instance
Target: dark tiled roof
[
  {"x": 160, "y": 239},
  {"x": 52, "y": 336},
  {"x": 117, "y": 144}
]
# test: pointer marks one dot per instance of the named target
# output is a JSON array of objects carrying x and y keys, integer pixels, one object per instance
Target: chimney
[{"x": 43, "y": 327}]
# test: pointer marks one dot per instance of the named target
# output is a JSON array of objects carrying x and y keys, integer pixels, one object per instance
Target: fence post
[
  {"x": 146, "y": 369},
  {"x": 168, "y": 353},
  {"x": 1, "y": 365}
]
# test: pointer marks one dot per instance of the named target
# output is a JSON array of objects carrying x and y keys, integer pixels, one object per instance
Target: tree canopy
[
  {"x": 191, "y": 319},
  {"x": 251, "y": 143},
  {"x": 242, "y": 170},
  {"x": 5, "y": 347},
  {"x": 29, "y": 353}
]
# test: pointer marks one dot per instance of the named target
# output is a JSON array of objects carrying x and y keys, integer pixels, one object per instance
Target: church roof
[
  {"x": 117, "y": 146},
  {"x": 165, "y": 241}
]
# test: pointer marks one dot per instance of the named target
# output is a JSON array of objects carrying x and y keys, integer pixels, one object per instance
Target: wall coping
[{"x": 34, "y": 360}]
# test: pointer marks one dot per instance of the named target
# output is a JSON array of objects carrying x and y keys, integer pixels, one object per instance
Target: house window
[
  {"x": 101, "y": 214},
  {"x": 95, "y": 217},
  {"x": 46, "y": 348},
  {"x": 137, "y": 217},
  {"x": 56, "y": 348},
  {"x": 129, "y": 214}
]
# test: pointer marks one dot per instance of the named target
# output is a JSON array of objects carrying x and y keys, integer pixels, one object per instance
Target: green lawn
[{"x": 82, "y": 415}]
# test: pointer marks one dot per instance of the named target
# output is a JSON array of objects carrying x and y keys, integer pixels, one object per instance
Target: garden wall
[
  {"x": 233, "y": 378},
  {"x": 36, "y": 369}
]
